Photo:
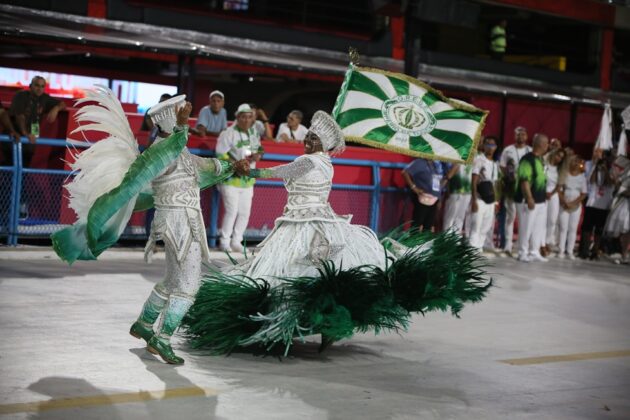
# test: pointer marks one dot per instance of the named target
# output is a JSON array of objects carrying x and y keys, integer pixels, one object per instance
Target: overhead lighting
[{"x": 561, "y": 97}]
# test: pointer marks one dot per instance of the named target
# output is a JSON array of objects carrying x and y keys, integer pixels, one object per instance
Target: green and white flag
[{"x": 393, "y": 111}]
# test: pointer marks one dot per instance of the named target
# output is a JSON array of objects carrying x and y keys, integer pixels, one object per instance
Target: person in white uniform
[
  {"x": 553, "y": 160},
  {"x": 509, "y": 162},
  {"x": 485, "y": 173},
  {"x": 238, "y": 142},
  {"x": 572, "y": 192}
]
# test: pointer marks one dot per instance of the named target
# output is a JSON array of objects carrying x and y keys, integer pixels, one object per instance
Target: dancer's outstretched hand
[
  {"x": 241, "y": 167},
  {"x": 183, "y": 113}
]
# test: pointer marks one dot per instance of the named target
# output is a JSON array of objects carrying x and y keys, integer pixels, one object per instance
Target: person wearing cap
[
  {"x": 238, "y": 142},
  {"x": 212, "y": 118},
  {"x": 510, "y": 158}
]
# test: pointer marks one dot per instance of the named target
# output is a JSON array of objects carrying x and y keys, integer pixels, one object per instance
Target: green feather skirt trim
[{"x": 236, "y": 311}]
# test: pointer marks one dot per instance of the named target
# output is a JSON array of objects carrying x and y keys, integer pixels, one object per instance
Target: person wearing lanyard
[
  {"x": 424, "y": 179},
  {"x": 238, "y": 142},
  {"x": 509, "y": 161}
]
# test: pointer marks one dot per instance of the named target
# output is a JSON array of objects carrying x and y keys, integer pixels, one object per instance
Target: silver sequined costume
[{"x": 178, "y": 222}]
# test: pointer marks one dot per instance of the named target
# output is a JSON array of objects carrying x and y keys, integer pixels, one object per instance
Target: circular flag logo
[{"x": 409, "y": 115}]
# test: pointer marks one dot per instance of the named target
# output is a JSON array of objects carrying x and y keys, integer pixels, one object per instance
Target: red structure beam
[
  {"x": 97, "y": 9},
  {"x": 605, "y": 61}
]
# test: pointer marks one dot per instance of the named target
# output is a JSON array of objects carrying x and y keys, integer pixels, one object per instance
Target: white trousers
[
  {"x": 553, "y": 208},
  {"x": 568, "y": 222},
  {"x": 531, "y": 227},
  {"x": 237, "y": 203},
  {"x": 481, "y": 223},
  {"x": 510, "y": 217},
  {"x": 455, "y": 211}
]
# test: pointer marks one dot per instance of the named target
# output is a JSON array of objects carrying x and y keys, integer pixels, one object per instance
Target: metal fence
[{"x": 33, "y": 201}]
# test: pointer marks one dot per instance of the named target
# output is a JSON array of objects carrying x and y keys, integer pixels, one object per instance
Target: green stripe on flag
[
  {"x": 400, "y": 86},
  {"x": 457, "y": 114},
  {"x": 419, "y": 144},
  {"x": 354, "y": 115},
  {"x": 460, "y": 142},
  {"x": 366, "y": 85},
  {"x": 430, "y": 98},
  {"x": 380, "y": 134}
]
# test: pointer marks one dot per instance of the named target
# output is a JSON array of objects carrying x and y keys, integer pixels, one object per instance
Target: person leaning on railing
[{"x": 27, "y": 109}]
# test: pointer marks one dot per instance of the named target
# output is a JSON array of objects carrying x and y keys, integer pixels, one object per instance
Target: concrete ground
[{"x": 552, "y": 341}]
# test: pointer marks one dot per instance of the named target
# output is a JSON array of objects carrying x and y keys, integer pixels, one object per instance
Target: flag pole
[{"x": 354, "y": 61}]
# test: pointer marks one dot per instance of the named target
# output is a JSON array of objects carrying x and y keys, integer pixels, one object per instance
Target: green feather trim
[
  {"x": 221, "y": 315},
  {"x": 233, "y": 311}
]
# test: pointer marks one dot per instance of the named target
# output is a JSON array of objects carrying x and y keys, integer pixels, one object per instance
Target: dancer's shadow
[
  {"x": 205, "y": 402},
  {"x": 59, "y": 388},
  {"x": 345, "y": 375}
]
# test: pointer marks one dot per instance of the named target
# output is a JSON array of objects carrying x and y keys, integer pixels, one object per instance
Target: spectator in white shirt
[
  {"x": 510, "y": 158},
  {"x": 485, "y": 173},
  {"x": 601, "y": 185},
  {"x": 292, "y": 131},
  {"x": 572, "y": 192}
]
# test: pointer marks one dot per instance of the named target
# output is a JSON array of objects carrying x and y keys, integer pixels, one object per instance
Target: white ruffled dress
[{"x": 309, "y": 231}]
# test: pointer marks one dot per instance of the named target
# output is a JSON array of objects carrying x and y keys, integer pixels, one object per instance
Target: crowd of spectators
[{"x": 542, "y": 191}]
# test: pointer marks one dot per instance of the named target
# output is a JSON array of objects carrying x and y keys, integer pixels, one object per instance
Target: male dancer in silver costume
[{"x": 179, "y": 223}]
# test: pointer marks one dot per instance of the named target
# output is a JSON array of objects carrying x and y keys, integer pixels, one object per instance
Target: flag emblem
[
  {"x": 396, "y": 112},
  {"x": 408, "y": 114}
]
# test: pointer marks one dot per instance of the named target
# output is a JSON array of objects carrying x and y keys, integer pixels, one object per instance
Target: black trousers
[
  {"x": 423, "y": 216},
  {"x": 594, "y": 219}
]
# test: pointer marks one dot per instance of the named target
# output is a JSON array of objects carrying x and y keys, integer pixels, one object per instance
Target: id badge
[
  {"x": 35, "y": 129},
  {"x": 436, "y": 182}
]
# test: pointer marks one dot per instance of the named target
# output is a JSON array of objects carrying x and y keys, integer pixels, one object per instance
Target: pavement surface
[{"x": 552, "y": 341}]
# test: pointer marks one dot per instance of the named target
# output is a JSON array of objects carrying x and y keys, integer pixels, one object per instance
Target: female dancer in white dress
[{"x": 318, "y": 274}]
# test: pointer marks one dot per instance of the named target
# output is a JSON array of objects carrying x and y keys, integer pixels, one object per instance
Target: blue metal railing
[{"x": 18, "y": 172}]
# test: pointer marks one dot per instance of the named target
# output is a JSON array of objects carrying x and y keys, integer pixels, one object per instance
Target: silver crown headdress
[
  {"x": 328, "y": 132},
  {"x": 164, "y": 113}
]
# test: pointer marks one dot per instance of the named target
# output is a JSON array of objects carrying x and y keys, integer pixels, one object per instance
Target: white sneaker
[
  {"x": 236, "y": 247},
  {"x": 570, "y": 256},
  {"x": 537, "y": 257},
  {"x": 524, "y": 258}
]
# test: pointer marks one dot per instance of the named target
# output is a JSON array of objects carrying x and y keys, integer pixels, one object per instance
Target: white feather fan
[{"x": 102, "y": 166}]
